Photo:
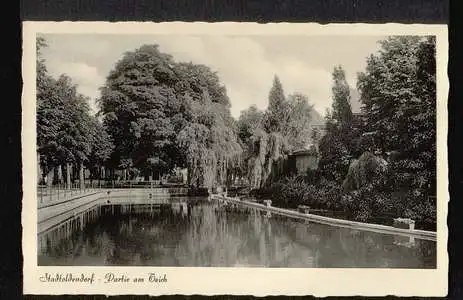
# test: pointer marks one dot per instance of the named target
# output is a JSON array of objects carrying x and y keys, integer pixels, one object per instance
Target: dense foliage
[
  {"x": 269, "y": 136},
  {"x": 335, "y": 147},
  {"x": 67, "y": 133},
  {"x": 163, "y": 115},
  {"x": 381, "y": 163},
  {"x": 398, "y": 92}
]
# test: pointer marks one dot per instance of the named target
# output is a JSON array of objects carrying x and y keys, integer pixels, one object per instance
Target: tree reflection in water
[{"x": 219, "y": 235}]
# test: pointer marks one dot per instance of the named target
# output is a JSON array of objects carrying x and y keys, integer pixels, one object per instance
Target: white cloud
[
  {"x": 87, "y": 78},
  {"x": 248, "y": 73}
]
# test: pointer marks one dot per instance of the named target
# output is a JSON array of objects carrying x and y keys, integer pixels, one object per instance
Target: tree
[
  {"x": 42, "y": 79},
  {"x": 315, "y": 136},
  {"x": 270, "y": 136},
  {"x": 387, "y": 86},
  {"x": 296, "y": 123},
  {"x": 163, "y": 114},
  {"x": 138, "y": 103},
  {"x": 249, "y": 121},
  {"x": 398, "y": 96},
  {"x": 342, "y": 111},
  {"x": 102, "y": 147},
  {"x": 209, "y": 141},
  {"x": 67, "y": 134},
  {"x": 47, "y": 122},
  {"x": 276, "y": 107},
  {"x": 336, "y": 147},
  {"x": 63, "y": 135},
  {"x": 398, "y": 93},
  {"x": 209, "y": 134}
]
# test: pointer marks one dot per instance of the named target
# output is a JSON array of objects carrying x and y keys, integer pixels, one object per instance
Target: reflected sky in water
[{"x": 193, "y": 233}]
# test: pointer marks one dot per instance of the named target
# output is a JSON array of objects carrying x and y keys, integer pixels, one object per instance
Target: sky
[{"x": 246, "y": 65}]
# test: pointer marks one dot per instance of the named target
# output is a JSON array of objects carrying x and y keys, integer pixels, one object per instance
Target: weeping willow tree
[
  {"x": 210, "y": 143},
  {"x": 271, "y": 135},
  {"x": 270, "y": 149}
]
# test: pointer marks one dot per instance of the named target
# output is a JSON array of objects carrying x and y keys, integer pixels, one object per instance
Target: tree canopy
[
  {"x": 164, "y": 114},
  {"x": 67, "y": 132},
  {"x": 398, "y": 94}
]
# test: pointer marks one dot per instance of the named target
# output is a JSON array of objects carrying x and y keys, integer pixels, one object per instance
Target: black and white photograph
[{"x": 237, "y": 150}]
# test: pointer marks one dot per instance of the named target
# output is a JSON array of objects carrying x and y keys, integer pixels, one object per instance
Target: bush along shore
[{"x": 374, "y": 202}]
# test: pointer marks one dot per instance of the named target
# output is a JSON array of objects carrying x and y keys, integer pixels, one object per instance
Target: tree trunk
[
  {"x": 81, "y": 176},
  {"x": 39, "y": 169},
  {"x": 188, "y": 176},
  {"x": 68, "y": 175},
  {"x": 50, "y": 176},
  {"x": 60, "y": 174},
  {"x": 102, "y": 175}
]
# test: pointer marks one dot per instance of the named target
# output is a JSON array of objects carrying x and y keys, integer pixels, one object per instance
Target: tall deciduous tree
[
  {"x": 296, "y": 123},
  {"x": 163, "y": 114},
  {"x": 102, "y": 147},
  {"x": 66, "y": 132},
  {"x": 398, "y": 94},
  {"x": 138, "y": 102}
]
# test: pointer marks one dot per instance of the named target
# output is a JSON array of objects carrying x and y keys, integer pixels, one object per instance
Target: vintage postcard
[{"x": 234, "y": 158}]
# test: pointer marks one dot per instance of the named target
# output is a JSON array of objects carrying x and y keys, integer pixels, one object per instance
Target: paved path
[
  {"x": 50, "y": 215},
  {"x": 61, "y": 196}
]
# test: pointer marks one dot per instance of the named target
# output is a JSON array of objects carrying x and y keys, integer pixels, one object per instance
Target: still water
[{"x": 192, "y": 232}]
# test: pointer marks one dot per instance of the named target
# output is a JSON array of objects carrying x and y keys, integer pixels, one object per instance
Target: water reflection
[{"x": 193, "y": 233}]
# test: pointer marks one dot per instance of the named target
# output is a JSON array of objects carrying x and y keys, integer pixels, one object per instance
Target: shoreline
[{"x": 417, "y": 233}]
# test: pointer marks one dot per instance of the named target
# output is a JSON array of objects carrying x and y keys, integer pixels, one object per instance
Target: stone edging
[{"x": 421, "y": 234}]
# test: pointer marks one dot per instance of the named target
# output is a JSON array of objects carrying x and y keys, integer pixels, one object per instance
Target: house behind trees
[{"x": 302, "y": 160}]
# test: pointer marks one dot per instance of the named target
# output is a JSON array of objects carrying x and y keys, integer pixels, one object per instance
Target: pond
[{"x": 192, "y": 232}]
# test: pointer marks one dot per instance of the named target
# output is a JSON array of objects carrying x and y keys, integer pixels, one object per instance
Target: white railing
[{"x": 62, "y": 192}]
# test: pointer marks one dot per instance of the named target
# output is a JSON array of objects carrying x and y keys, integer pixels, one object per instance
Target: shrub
[
  {"x": 372, "y": 201},
  {"x": 313, "y": 176},
  {"x": 325, "y": 195}
]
